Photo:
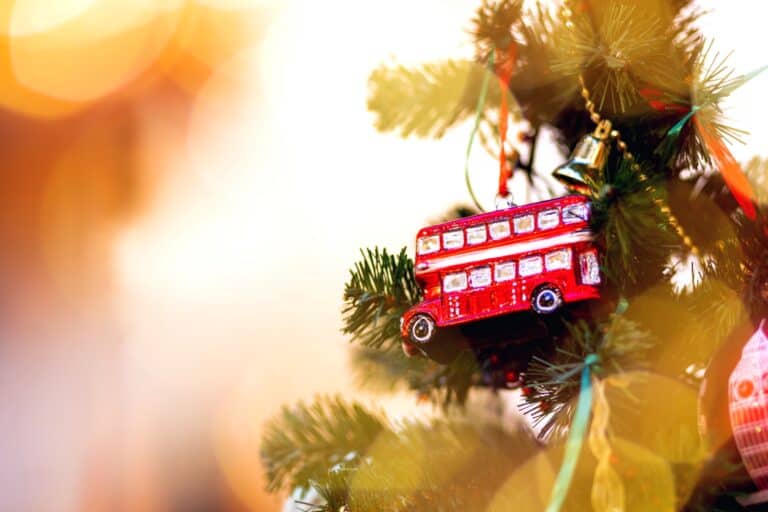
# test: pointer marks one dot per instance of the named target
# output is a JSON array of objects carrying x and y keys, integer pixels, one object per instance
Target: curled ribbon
[
  {"x": 730, "y": 169},
  {"x": 608, "y": 489},
  {"x": 575, "y": 437}
]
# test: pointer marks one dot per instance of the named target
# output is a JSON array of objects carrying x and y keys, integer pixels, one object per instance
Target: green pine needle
[
  {"x": 305, "y": 441},
  {"x": 493, "y": 25},
  {"x": 631, "y": 227},
  {"x": 428, "y": 100},
  {"x": 620, "y": 344},
  {"x": 386, "y": 370},
  {"x": 380, "y": 289}
]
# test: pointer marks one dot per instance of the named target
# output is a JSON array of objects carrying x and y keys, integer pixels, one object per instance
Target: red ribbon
[
  {"x": 730, "y": 169},
  {"x": 505, "y": 69}
]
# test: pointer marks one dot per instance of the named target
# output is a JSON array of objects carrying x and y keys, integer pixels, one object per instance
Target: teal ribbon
[
  {"x": 575, "y": 437},
  {"x": 478, "y": 116},
  {"x": 675, "y": 130}
]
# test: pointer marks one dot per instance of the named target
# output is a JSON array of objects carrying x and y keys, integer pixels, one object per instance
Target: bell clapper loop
[{"x": 603, "y": 130}]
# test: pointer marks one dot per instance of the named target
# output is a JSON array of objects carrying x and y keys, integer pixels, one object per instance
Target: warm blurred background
[{"x": 184, "y": 186}]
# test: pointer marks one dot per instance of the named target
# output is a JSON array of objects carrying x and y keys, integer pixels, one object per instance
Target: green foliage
[
  {"x": 303, "y": 442},
  {"x": 427, "y": 100},
  {"x": 443, "y": 465},
  {"x": 631, "y": 227},
  {"x": 389, "y": 370},
  {"x": 646, "y": 65},
  {"x": 554, "y": 379},
  {"x": 493, "y": 25},
  {"x": 380, "y": 288},
  {"x": 617, "y": 51}
]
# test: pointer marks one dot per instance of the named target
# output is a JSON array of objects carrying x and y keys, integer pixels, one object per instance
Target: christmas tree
[{"x": 627, "y": 392}]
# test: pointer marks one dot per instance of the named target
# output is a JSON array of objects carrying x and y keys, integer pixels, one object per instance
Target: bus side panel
[
  {"x": 506, "y": 294},
  {"x": 455, "y": 306}
]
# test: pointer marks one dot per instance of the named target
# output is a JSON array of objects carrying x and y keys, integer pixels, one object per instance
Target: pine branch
[
  {"x": 305, "y": 441},
  {"x": 553, "y": 380},
  {"x": 447, "y": 465},
  {"x": 493, "y": 25},
  {"x": 632, "y": 228},
  {"x": 390, "y": 370},
  {"x": 456, "y": 463},
  {"x": 428, "y": 100},
  {"x": 380, "y": 288}
]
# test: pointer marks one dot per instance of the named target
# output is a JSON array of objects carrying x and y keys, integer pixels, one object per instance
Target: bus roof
[{"x": 502, "y": 214}]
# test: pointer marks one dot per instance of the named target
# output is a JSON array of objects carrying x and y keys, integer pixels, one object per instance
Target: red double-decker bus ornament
[{"x": 533, "y": 257}]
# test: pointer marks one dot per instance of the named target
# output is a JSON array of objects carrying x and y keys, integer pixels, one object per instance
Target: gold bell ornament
[{"x": 587, "y": 160}]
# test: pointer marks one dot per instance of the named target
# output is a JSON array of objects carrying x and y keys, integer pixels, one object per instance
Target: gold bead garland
[{"x": 596, "y": 118}]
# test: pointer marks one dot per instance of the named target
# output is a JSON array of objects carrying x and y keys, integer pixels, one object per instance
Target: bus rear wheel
[
  {"x": 421, "y": 329},
  {"x": 546, "y": 299}
]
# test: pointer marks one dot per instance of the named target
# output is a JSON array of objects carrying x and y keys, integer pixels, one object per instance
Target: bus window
[
  {"x": 455, "y": 282},
  {"x": 549, "y": 219},
  {"x": 428, "y": 244},
  {"x": 575, "y": 213},
  {"x": 479, "y": 277},
  {"x": 499, "y": 229},
  {"x": 524, "y": 224},
  {"x": 504, "y": 271},
  {"x": 559, "y": 259},
  {"x": 476, "y": 235},
  {"x": 531, "y": 266},
  {"x": 590, "y": 268},
  {"x": 453, "y": 239}
]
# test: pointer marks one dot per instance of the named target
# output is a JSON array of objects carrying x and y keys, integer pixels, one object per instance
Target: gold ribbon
[{"x": 608, "y": 489}]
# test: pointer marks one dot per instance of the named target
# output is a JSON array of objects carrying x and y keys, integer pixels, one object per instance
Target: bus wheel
[
  {"x": 546, "y": 299},
  {"x": 421, "y": 329}
]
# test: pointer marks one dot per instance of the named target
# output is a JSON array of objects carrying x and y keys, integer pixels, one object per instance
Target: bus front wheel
[
  {"x": 546, "y": 299},
  {"x": 421, "y": 329}
]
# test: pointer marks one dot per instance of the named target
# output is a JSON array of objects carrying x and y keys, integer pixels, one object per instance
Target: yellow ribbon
[{"x": 608, "y": 489}]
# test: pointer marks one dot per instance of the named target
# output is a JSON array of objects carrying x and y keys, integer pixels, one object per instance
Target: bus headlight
[{"x": 590, "y": 268}]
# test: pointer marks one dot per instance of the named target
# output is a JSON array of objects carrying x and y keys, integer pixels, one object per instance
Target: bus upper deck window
[
  {"x": 453, "y": 239},
  {"x": 549, "y": 219},
  {"x": 476, "y": 235},
  {"x": 575, "y": 213},
  {"x": 499, "y": 229},
  {"x": 524, "y": 224},
  {"x": 428, "y": 244}
]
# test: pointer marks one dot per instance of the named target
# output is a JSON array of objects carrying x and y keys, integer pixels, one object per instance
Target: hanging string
[
  {"x": 505, "y": 69},
  {"x": 575, "y": 437},
  {"x": 478, "y": 116}
]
